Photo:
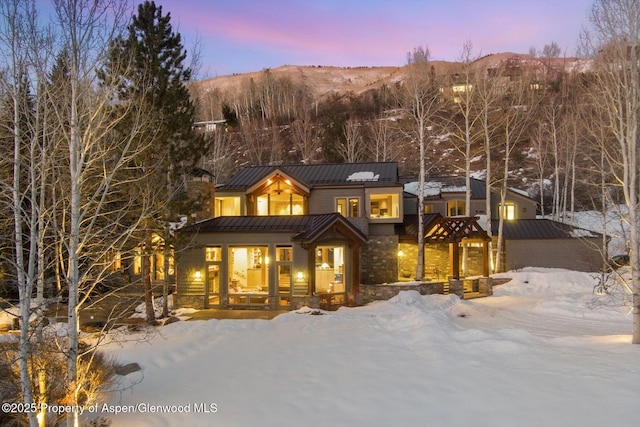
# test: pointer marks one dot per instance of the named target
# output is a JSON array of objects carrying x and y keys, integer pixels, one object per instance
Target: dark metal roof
[
  {"x": 384, "y": 174},
  {"x": 436, "y": 186},
  {"x": 540, "y": 229},
  {"x": 306, "y": 227}
]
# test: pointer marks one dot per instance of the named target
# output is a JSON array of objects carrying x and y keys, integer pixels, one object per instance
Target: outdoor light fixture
[
  {"x": 400, "y": 253},
  {"x": 300, "y": 275},
  {"x": 197, "y": 275}
]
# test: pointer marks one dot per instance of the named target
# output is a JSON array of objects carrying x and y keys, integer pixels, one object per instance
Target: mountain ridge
[{"x": 326, "y": 80}]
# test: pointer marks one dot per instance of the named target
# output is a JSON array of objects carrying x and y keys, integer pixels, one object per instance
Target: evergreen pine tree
[{"x": 157, "y": 78}]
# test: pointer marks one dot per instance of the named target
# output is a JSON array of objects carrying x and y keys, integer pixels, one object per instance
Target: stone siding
[
  {"x": 379, "y": 260},
  {"x": 436, "y": 261}
]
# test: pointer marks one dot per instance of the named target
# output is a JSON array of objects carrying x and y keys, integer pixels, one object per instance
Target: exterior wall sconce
[
  {"x": 197, "y": 275},
  {"x": 400, "y": 253},
  {"x": 299, "y": 276}
]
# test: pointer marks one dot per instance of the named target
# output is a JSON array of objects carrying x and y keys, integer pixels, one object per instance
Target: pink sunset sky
[{"x": 238, "y": 36}]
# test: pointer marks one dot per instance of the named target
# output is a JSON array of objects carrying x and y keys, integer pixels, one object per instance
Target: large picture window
[
  {"x": 279, "y": 196},
  {"x": 248, "y": 268},
  {"x": 330, "y": 269},
  {"x": 384, "y": 206},
  {"x": 280, "y": 204},
  {"x": 227, "y": 206}
]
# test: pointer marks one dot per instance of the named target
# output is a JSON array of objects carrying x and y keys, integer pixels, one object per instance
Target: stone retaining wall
[{"x": 384, "y": 292}]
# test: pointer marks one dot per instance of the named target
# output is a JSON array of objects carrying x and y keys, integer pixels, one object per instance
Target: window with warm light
[
  {"x": 508, "y": 211},
  {"x": 213, "y": 253},
  {"x": 161, "y": 260},
  {"x": 348, "y": 206},
  {"x": 228, "y": 206},
  {"x": 280, "y": 197},
  {"x": 456, "y": 207},
  {"x": 284, "y": 268},
  {"x": 213, "y": 257},
  {"x": 248, "y": 268},
  {"x": 330, "y": 269},
  {"x": 383, "y": 206}
]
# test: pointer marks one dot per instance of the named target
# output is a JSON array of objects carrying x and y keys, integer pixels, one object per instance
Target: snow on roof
[
  {"x": 520, "y": 192},
  {"x": 430, "y": 188},
  {"x": 581, "y": 232},
  {"x": 363, "y": 176},
  {"x": 453, "y": 189}
]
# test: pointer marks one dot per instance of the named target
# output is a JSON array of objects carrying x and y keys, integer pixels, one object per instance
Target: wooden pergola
[{"x": 453, "y": 231}]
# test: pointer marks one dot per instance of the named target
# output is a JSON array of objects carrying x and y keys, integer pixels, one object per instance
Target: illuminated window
[
  {"x": 279, "y": 198},
  {"x": 508, "y": 211},
  {"x": 428, "y": 208},
  {"x": 156, "y": 259},
  {"x": 384, "y": 206},
  {"x": 348, "y": 206},
  {"x": 115, "y": 261},
  {"x": 248, "y": 268},
  {"x": 284, "y": 268},
  {"x": 213, "y": 254},
  {"x": 330, "y": 269},
  {"x": 227, "y": 206},
  {"x": 137, "y": 261},
  {"x": 456, "y": 207},
  {"x": 213, "y": 257}
]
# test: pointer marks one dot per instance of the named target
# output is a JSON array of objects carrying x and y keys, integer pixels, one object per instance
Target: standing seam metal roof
[
  {"x": 306, "y": 227},
  {"x": 524, "y": 229},
  {"x": 320, "y": 174}
]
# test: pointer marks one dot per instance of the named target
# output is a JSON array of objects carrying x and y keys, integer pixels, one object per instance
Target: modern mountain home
[{"x": 287, "y": 236}]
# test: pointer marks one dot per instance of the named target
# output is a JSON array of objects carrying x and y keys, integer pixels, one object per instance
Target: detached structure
[{"x": 327, "y": 235}]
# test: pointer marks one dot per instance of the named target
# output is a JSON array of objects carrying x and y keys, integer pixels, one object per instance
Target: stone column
[{"x": 456, "y": 287}]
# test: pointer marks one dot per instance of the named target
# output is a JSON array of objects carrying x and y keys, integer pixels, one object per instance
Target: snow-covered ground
[{"x": 537, "y": 353}]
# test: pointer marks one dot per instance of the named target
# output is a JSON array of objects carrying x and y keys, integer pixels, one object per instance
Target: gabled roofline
[
  {"x": 277, "y": 171},
  {"x": 323, "y": 223}
]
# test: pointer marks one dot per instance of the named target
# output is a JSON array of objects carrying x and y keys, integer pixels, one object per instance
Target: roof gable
[{"x": 273, "y": 175}]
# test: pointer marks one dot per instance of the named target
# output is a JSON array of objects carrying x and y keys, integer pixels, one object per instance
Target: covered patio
[
  {"x": 456, "y": 252},
  {"x": 463, "y": 237}
]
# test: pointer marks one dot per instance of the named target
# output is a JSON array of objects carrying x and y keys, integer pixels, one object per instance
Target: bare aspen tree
[
  {"x": 515, "y": 120},
  {"x": 488, "y": 93},
  {"x": 13, "y": 78},
  {"x": 463, "y": 120},
  {"x": 613, "y": 41},
  {"x": 465, "y": 114},
  {"x": 351, "y": 148},
  {"x": 540, "y": 144},
  {"x": 385, "y": 145},
  {"x": 306, "y": 137},
  {"x": 100, "y": 213},
  {"x": 418, "y": 96}
]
